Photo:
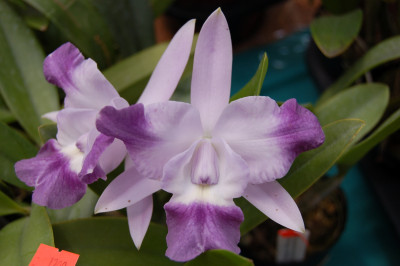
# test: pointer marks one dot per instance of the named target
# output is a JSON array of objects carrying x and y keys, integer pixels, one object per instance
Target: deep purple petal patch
[
  {"x": 57, "y": 67},
  {"x": 197, "y": 227},
  {"x": 56, "y": 185}
]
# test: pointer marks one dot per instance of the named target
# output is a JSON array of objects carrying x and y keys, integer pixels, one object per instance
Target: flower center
[
  {"x": 75, "y": 157},
  {"x": 205, "y": 170}
]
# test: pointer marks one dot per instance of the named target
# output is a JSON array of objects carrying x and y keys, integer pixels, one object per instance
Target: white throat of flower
[{"x": 75, "y": 157}]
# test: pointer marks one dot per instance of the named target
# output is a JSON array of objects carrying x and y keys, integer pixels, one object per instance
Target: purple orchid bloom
[
  {"x": 211, "y": 151},
  {"x": 81, "y": 155}
]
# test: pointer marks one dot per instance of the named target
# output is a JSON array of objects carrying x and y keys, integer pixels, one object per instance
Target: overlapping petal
[
  {"x": 153, "y": 134},
  {"x": 275, "y": 202},
  {"x": 268, "y": 137},
  {"x": 199, "y": 226},
  {"x": 212, "y": 68},
  {"x": 125, "y": 190},
  {"x": 55, "y": 180},
  {"x": 169, "y": 69},
  {"x": 84, "y": 85}
]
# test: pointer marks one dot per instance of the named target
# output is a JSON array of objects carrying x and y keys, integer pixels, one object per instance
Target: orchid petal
[
  {"x": 56, "y": 182},
  {"x": 51, "y": 116},
  {"x": 169, "y": 69},
  {"x": 275, "y": 202},
  {"x": 212, "y": 69},
  {"x": 267, "y": 137},
  {"x": 73, "y": 123},
  {"x": 232, "y": 181},
  {"x": 125, "y": 190},
  {"x": 84, "y": 85},
  {"x": 139, "y": 216},
  {"x": 195, "y": 228},
  {"x": 153, "y": 134}
]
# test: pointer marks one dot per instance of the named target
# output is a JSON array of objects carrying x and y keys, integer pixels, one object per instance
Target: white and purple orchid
[
  {"x": 208, "y": 152},
  {"x": 81, "y": 155}
]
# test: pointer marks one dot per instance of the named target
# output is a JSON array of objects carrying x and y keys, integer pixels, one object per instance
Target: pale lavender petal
[
  {"x": 84, "y": 85},
  {"x": 212, "y": 70},
  {"x": 233, "y": 177},
  {"x": 73, "y": 124},
  {"x": 268, "y": 137},
  {"x": 56, "y": 184},
  {"x": 51, "y": 116},
  {"x": 127, "y": 189},
  {"x": 139, "y": 216},
  {"x": 197, "y": 227},
  {"x": 275, "y": 202},
  {"x": 112, "y": 156},
  {"x": 153, "y": 134},
  {"x": 169, "y": 69}
]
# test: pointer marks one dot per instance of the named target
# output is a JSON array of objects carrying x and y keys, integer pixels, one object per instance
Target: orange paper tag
[{"x": 50, "y": 256}]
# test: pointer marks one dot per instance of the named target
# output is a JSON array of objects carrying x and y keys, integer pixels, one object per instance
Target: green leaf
[
  {"x": 22, "y": 84},
  {"x": 253, "y": 87},
  {"x": 20, "y": 239},
  {"x": 106, "y": 241},
  {"x": 308, "y": 166},
  {"x": 381, "y": 53},
  {"x": 47, "y": 131},
  {"x": 137, "y": 14},
  {"x": 81, "y": 24},
  {"x": 6, "y": 116},
  {"x": 391, "y": 125},
  {"x": 334, "y": 34},
  {"x": 13, "y": 147},
  {"x": 82, "y": 209},
  {"x": 8, "y": 206},
  {"x": 367, "y": 102},
  {"x": 218, "y": 258}
]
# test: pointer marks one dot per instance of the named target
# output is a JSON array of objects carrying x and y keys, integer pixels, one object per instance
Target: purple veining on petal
[
  {"x": 56, "y": 185},
  {"x": 153, "y": 134},
  {"x": 58, "y": 65},
  {"x": 266, "y": 136},
  {"x": 205, "y": 169},
  {"x": 197, "y": 227},
  {"x": 88, "y": 173}
]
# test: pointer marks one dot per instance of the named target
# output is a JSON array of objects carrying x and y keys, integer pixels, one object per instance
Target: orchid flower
[
  {"x": 81, "y": 155},
  {"x": 211, "y": 151}
]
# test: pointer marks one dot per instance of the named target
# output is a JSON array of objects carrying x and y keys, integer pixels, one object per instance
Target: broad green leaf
[
  {"x": 6, "y": 116},
  {"x": 81, "y": 23},
  {"x": 47, "y": 131},
  {"x": 82, "y": 209},
  {"x": 22, "y": 85},
  {"x": 334, "y": 34},
  {"x": 309, "y": 166},
  {"x": 381, "y": 53},
  {"x": 391, "y": 125},
  {"x": 106, "y": 241},
  {"x": 219, "y": 258},
  {"x": 130, "y": 22},
  {"x": 253, "y": 87},
  {"x": 20, "y": 239},
  {"x": 13, "y": 147},
  {"x": 367, "y": 102},
  {"x": 8, "y": 206}
]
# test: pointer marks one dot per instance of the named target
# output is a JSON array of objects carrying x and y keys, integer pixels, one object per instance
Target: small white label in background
[{"x": 291, "y": 246}]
